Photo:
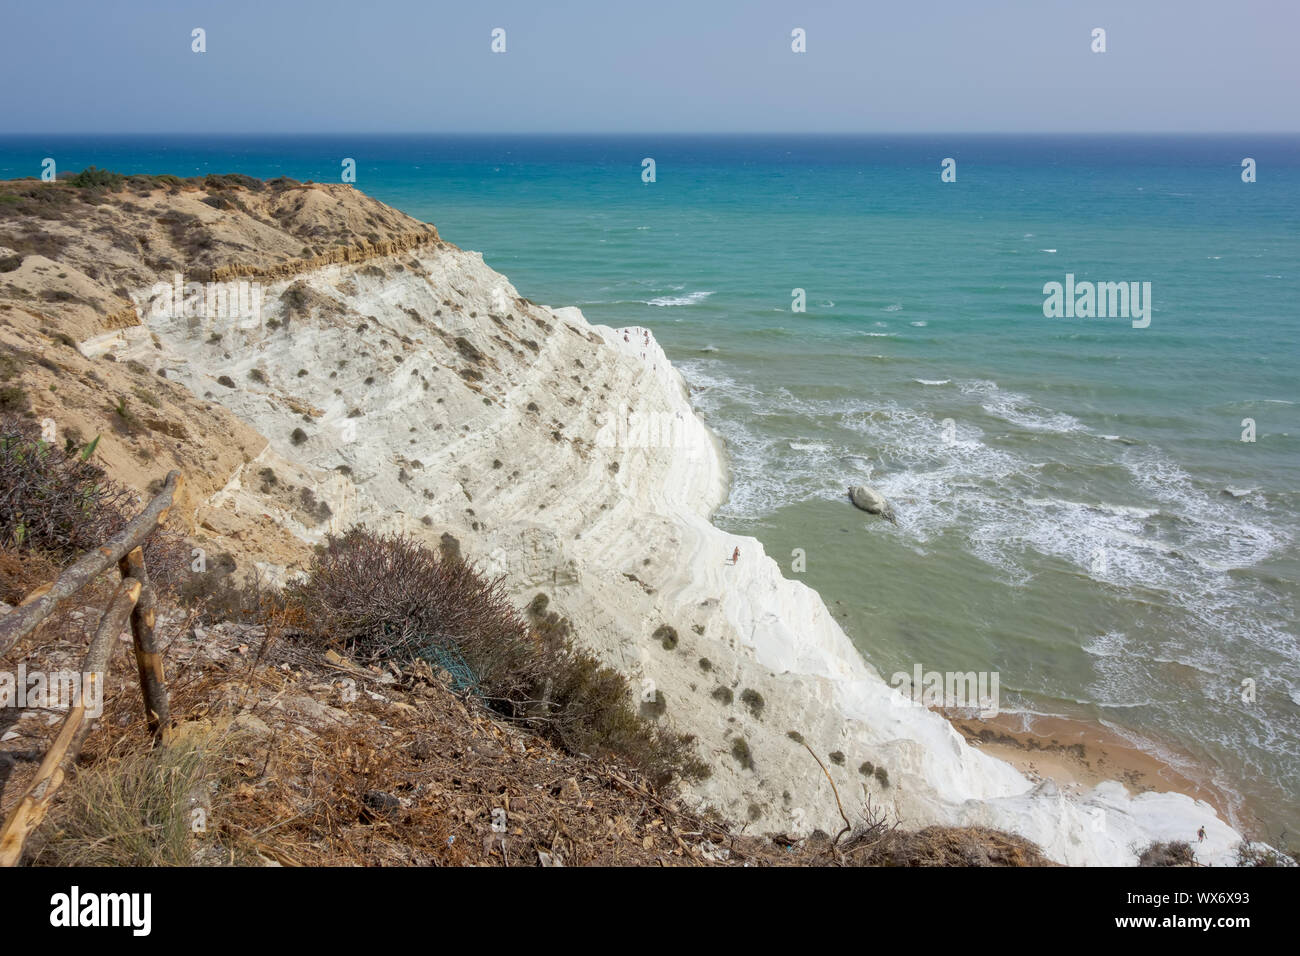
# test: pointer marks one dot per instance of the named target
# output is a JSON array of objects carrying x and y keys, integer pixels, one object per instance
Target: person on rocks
[{"x": 735, "y": 555}]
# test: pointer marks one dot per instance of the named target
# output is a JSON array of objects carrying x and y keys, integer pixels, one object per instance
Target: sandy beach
[{"x": 1078, "y": 755}]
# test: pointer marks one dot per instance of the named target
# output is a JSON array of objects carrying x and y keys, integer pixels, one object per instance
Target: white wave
[
  {"x": 920, "y": 324},
  {"x": 1110, "y": 644},
  {"x": 928, "y": 381},
  {"x": 1047, "y": 250},
  {"x": 1018, "y": 409},
  {"x": 668, "y": 301},
  {"x": 896, "y": 307}
]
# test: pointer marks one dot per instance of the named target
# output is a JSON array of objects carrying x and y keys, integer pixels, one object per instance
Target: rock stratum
[{"x": 405, "y": 384}]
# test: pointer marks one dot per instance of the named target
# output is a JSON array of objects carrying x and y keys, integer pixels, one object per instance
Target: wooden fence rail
[{"x": 135, "y": 599}]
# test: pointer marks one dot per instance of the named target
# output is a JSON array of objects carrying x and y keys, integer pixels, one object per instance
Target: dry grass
[{"x": 138, "y": 807}]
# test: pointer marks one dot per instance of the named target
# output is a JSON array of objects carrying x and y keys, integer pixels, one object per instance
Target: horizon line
[{"x": 558, "y": 133}]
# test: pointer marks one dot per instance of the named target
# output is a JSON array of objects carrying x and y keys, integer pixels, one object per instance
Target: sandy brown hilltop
[{"x": 69, "y": 256}]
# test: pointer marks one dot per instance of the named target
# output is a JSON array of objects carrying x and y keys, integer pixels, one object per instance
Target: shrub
[
  {"x": 667, "y": 636},
  {"x": 126, "y": 419},
  {"x": 754, "y": 701},
  {"x": 227, "y": 381},
  {"x": 837, "y": 758},
  {"x": 216, "y": 594},
  {"x": 1255, "y": 854},
  {"x": 1174, "y": 853},
  {"x": 654, "y": 707},
  {"x": 467, "y": 350},
  {"x": 298, "y": 436},
  {"x": 314, "y": 508},
  {"x": 92, "y": 177},
  {"x": 723, "y": 695},
  {"x": 386, "y": 596},
  {"x": 257, "y": 375},
  {"x": 740, "y": 751},
  {"x": 146, "y": 396},
  {"x": 13, "y": 399},
  {"x": 54, "y": 502}
]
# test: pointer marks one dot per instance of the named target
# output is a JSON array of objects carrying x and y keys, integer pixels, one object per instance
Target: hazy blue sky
[{"x": 83, "y": 66}]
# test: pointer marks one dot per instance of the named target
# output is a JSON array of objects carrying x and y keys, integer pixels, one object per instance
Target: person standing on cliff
[{"x": 735, "y": 555}]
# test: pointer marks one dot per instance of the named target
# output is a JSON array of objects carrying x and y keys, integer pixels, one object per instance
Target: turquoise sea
[{"x": 1076, "y": 507}]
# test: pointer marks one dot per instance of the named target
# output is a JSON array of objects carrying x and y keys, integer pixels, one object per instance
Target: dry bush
[
  {"x": 386, "y": 596},
  {"x": 55, "y": 502},
  {"x": 1258, "y": 854},
  {"x": 879, "y": 844},
  {"x": 590, "y": 711},
  {"x": 21, "y": 573},
  {"x": 219, "y": 593},
  {"x": 1174, "y": 853},
  {"x": 52, "y": 501}
]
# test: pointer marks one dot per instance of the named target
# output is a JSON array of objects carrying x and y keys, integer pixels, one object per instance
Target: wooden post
[
  {"x": 31, "y": 808},
  {"x": 148, "y": 660}
]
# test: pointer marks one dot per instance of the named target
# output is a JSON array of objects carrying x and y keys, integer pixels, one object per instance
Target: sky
[{"x": 609, "y": 66}]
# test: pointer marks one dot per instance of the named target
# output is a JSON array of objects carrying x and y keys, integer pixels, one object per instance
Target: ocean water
[{"x": 1077, "y": 510}]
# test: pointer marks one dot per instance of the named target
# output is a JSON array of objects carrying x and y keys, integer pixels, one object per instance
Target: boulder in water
[{"x": 871, "y": 501}]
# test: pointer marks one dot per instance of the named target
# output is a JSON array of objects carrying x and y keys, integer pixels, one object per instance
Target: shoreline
[
  {"x": 1075, "y": 755},
  {"x": 1086, "y": 762},
  {"x": 1078, "y": 755}
]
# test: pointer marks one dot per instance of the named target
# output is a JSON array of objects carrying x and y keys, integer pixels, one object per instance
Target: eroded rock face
[{"x": 871, "y": 501}]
